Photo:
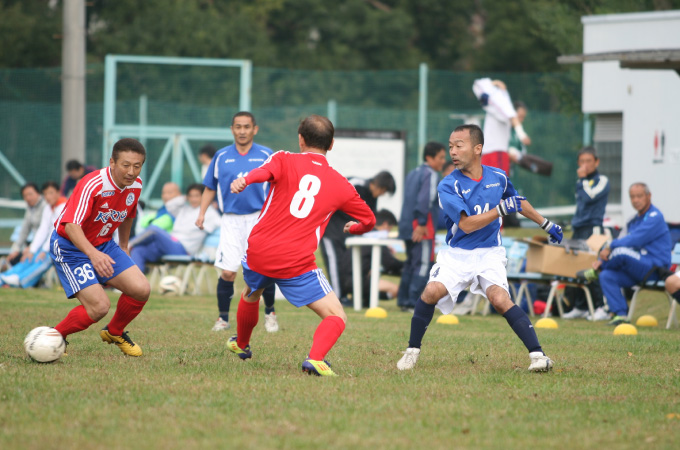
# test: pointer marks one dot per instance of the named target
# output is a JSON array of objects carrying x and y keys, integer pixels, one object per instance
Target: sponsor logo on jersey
[
  {"x": 227, "y": 161},
  {"x": 492, "y": 185},
  {"x": 105, "y": 205},
  {"x": 467, "y": 191},
  {"x": 130, "y": 199},
  {"x": 255, "y": 159},
  {"x": 108, "y": 193},
  {"x": 112, "y": 215}
]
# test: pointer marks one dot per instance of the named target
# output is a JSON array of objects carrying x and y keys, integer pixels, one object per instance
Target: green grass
[{"x": 470, "y": 389}]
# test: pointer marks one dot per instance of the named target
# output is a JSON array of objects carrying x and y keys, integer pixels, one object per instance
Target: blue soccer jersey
[
  {"x": 460, "y": 194},
  {"x": 226, "y": 166}
]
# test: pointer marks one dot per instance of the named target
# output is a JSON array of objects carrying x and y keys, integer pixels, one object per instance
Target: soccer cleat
[
  {"x": 540, "y": 362},
  {"x": 587, "y": 276},
  {"x": 600, "y": 314},
  {"x": 65, "y": 348},
  {"x": 409, "y": 360},
  {"x": 220, "y": 325},
  {"x": 243, "y": 353},
  {"x": 618, "y": 320},
  {"x": 270, "y": 323},
  {"x": 123, "y": 342},
  {"x": 575, "y": 314},
  {"x": 318, "y": 368}
]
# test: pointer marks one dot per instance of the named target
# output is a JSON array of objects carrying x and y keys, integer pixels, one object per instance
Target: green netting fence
[{"x": 30, "y": 112}]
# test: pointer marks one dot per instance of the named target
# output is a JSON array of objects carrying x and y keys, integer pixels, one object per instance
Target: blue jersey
[
  {"x": 460, "y": 194},
  {"x": 649, "y": 234},
  {"x": 226, "y": 166},
  {"x": 591, "y": 200}
]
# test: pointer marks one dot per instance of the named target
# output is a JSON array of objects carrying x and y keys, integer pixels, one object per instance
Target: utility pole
[{"x": 73, "y": 83}]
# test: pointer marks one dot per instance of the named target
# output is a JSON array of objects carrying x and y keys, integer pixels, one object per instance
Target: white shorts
[
  {"x": 234, "y": 232},
  {"x": 457, "y": 269}
]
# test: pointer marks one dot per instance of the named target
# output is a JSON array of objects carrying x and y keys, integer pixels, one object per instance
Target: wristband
[{"x": 546, "y": 225}]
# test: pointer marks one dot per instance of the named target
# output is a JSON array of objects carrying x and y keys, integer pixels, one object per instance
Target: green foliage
[{"x": 470, "y": 389}]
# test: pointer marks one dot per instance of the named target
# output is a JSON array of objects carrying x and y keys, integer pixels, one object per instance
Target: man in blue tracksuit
[
  {"x": 419, "y": 217},
  {"x": 627, "y": 260}
]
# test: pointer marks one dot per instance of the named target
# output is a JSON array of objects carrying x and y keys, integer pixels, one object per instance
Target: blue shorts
[
  {"x": 299, "y": 291},
  {"x": 75, "y": 268}
]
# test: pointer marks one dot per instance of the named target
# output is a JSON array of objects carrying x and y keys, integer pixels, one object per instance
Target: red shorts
[{"x": 500, "y": 160}]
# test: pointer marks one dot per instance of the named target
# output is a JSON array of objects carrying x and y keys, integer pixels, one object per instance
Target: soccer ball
[
  {"x": 44, "y": 344},
  {"x": 170, "y": 285}
]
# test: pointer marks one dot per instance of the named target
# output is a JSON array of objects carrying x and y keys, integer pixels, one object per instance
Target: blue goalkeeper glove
[
  {"x": 510, "y": 205},
  {"x": 554, "y": 230}
]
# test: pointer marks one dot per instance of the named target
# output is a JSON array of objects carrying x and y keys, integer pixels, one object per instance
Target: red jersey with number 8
[
  {"x": 305, "y": 192},
  {"x": 99, "y": 206}
]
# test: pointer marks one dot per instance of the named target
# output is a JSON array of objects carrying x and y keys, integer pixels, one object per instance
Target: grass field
[{"x": 470, "y": 389}]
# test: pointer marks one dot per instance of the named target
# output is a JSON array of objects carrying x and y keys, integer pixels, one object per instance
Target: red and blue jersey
[{"x": 99, "y": 206}]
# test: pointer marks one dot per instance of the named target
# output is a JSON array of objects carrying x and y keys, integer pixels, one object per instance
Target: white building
[{"x": 631, "y": 86}]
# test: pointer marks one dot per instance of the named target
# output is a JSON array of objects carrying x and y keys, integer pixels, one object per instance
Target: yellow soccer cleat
[
  {"x": 318, "y": 368},
  {"x": 123, "y": 342}
]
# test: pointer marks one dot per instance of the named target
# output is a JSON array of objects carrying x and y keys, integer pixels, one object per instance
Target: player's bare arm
[
  {"x": 206, "y": 199},
  {"x": 124, "y": 233},
  {"x": 476, "y": 222},
  {"x": 101, "y": 262},
  {"x": 554, "y": 230}
]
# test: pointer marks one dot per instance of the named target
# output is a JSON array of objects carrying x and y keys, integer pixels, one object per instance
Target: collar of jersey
[{"x": 108, "y": 174}]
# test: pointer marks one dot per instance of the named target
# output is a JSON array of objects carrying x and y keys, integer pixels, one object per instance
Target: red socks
[
  {"x": 128, "y": 308},
  {"x": 247, "y": 316},
  {"x": 325, "y": 337},
  {"x": 76, "y": 320}
]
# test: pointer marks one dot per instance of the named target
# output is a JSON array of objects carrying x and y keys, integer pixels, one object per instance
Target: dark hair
[
  {"x": 432, "y": 149},
  {"x": 383, "y": 216},
  {"x": 128, "y": 145},
  {"x": 195, "y": 187},
  {"x": 29, "y": 185},
  {"x": 517, "y": 104},
  {"x": 244, "y": 114},
  {"x": 207, "y": 149},
  {"x": 317, "y": 131},
  {"x": 476, "y": 134},
  {"x": 73, "y": 164},
  {"x": 588, "y": 150},
  {"x": 384, "y": 180},
  {"x": 50, "y": 184}
]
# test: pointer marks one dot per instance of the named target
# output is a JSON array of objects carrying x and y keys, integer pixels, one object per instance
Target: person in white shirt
[
  {"x": 34, "y": 261},
  {"x": 184, "y": 239}
]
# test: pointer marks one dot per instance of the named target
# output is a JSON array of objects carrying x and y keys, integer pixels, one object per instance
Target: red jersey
[
  {"x": 99, "y": 206},
  {"x": 305, "y": 192}
]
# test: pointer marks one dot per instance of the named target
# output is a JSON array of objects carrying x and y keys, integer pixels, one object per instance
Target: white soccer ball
[
  {"x": 44, "y": 344},
  {"x": 170, "y": 285}
]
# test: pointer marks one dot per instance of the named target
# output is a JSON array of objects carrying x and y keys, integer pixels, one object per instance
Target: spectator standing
[
  {"x": 205, "y": 155},
  {"x": 75, "y": 171},
  {"x": 419, "y": 216}
]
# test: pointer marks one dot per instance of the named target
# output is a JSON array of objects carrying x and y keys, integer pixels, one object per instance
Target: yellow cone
[
  {"x": 448, "y": 319},
  {"x": 376, "y": 313},
  {"x": 647, "y": 321},
  {"x": 546, "y": 322},
  {"x": 625, "y": 328}
]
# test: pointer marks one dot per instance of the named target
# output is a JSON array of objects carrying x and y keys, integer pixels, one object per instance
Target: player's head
[
  {"x": 640, "y": 197},
  {"x": 244, "y": 128},
  {"x": 587, "y": 160},
  {"x": 384, "y": 220},
  {"x": 382, "y": 183},
  {"x": 521, "y": 110},
  {"x": 30, "y": 194},
  {"x": 465, "y": 146},
  {"x": 316, "y": 132},
  {"x": 194, "y": 193},
  {"x": 434, "y": 155},
  {"x": 206, "y": 153},
  {"x": 169, "y": 191},
  {"x": 74, "y": 169},
  {"x": 126, "y": 162},
  {"x": 50, "y": 192}
]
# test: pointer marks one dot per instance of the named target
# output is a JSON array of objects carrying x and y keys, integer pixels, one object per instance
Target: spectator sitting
[
  {"x": 673, "y": 286},
  {"x": 35, "y": 261},
  {"x": 629, "y": 259},
  {"x": 205, "y": 155},
  {"x": 31, "y": 222},
  {"x": 185, "y": 238},
  {"x": 75, "y": 171},
  {"x": 163, "y": 218}
]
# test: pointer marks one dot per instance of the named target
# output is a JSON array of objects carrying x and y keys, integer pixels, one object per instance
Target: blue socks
[
  {"x": 225, "y": 291},
  {"x": 521, "y": 325},
  {"x": 422, "y": 316},
  {"x": 268, "y": 296}
]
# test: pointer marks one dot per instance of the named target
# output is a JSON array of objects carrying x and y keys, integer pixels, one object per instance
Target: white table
[{"x": 355, "y": 243}]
